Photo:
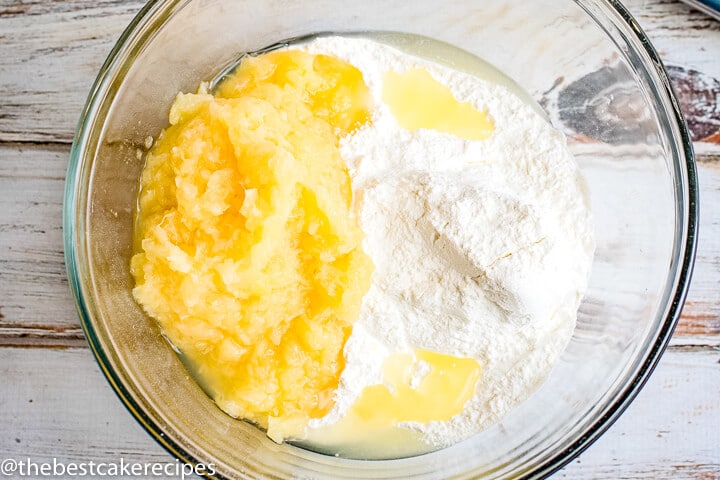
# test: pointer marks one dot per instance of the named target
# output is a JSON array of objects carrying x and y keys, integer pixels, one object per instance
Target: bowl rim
[{"x": 684, "y": 253}]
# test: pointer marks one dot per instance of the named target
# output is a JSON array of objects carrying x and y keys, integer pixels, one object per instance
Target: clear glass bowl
[{"x": 593, "y": 71}]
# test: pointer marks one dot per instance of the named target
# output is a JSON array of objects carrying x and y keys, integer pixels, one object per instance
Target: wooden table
[{"x": 54, "y": 402}]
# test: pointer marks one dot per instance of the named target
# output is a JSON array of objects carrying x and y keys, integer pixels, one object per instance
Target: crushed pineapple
[{"x": 248, "y": 251}]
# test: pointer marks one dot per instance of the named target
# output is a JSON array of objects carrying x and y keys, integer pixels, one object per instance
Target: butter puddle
[
  {"x": 423, "y": 387},
  {"x": 417, "y": 100}
]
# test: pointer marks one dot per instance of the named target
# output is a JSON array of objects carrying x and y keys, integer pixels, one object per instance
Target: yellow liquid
[
  {"x": 439, "y": 396},
  {"x": 417, "y": 101},
  {"x": 452, "y": 57},
  {"x": 370, "y": 429}
]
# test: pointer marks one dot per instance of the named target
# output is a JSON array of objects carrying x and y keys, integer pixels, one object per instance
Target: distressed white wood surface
[
  {"x": 50, "y": 52},
  {"x": 55, "y": 403}
]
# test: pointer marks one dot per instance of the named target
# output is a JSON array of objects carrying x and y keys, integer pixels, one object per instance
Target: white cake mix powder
[{"x": 482, "y": 249}]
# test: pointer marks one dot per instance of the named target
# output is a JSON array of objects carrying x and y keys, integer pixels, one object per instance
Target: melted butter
[
  {"x": 423, "y": 387},
  {"x": 439, "y": 396},
  {"x": 417, "y": 100}
]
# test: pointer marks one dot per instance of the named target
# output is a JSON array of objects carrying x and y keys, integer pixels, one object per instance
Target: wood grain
[
  {"x": 37, "y": 308},
  {"x": 685, "y": 39},
  {"x": 50, "y": 52},
  {"x": 651, "y": 440},
  {"x": 665, "y": 434},
  {"x": 54, "y": 401},
  {"x": 36, "y": 305},
  {"x": 700, "y": 321},
  {"x": 680, "y": 34}
]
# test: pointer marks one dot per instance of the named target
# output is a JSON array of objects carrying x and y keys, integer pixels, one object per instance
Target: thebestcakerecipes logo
[{"x": 28, "y": 468}]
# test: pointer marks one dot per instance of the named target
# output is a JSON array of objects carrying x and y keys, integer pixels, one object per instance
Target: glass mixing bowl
[{"x": 590, "y": 67}]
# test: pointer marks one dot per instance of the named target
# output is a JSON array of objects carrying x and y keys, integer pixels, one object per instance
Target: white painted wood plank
[
  {"x": 687, "y": 38},
  {"x": 35, "y": 300},
  {"x": 681, "y": 35},
  {"x": 57, "y": 404},
  {"x": 700, "y": 320},
  {"x": 36, "y": 305},
  {"x": 51, "y": 51},
  {"x": 671, "y": 431}
]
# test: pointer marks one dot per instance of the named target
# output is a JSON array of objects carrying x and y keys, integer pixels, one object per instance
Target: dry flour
[{"x": 481, "y": 248}]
